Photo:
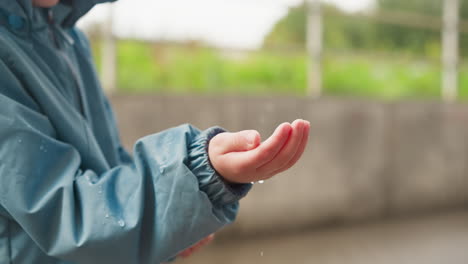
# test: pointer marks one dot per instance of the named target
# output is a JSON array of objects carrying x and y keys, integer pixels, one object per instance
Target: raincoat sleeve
[{"x": 145, "y": 211}]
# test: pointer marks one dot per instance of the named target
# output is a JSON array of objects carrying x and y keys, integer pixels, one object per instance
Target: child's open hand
[{"x": 241, "y": 158}]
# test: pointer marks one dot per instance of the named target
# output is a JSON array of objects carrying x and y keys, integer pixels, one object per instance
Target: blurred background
[{"x": 383, "y": 82}]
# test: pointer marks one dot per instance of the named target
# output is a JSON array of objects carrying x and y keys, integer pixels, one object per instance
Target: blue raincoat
[{"x": 69, "y": 193}]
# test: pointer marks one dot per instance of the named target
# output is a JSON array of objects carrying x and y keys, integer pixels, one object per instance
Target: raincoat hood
[{"x": 66, "y": 12}]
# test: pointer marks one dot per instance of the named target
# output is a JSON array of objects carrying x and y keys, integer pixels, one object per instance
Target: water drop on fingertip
[{"x": 261, "y": 181}]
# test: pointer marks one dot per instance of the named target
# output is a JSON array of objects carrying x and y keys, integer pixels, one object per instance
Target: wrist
[{"x": 218, "y": 190}]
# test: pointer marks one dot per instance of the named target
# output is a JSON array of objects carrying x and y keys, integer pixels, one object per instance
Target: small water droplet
[
  {"x": 92, "y": 179},
  {"x": 107, "y": 215},
  {"x": 261, "y": 181},
  {"x": 19, "y": 140},
  {"x": 121, "y": 223},
  {"x": 261, "y": 253},
  {"x": 100, "y": 190},
  {"x": 41, "y": 147},
  {"x": 161, "y": 169}
]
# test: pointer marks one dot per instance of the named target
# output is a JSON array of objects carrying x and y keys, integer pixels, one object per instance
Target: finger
[
  {"x": 189, "y": 251},
  {"x": 186, "y": 253},
  {"x": 299, "y": 152},
  {"x": 208, "y": 239},
  {"x": 266, "y": 151},
  {"x": 234, "y": 142},
  {"x": 199, "y": 245},
  {"x": 195, "y": 248},
  {"x": 287, "y": 152},
  {"x": 204, "y": 241}
]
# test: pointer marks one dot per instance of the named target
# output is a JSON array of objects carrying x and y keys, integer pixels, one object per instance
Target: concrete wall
[{"x": 366, "y": 160}]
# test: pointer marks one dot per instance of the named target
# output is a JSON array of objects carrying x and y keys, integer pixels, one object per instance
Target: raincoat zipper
[{"x": 54, "y": 33}]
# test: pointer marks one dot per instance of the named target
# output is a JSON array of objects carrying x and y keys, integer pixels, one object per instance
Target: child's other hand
[
  {"x": 241, "y": 158},
  {"x": 189, "y": 251}
]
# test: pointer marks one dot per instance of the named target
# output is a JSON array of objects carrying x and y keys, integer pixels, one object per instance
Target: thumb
[{"x": 234, "y": 142}]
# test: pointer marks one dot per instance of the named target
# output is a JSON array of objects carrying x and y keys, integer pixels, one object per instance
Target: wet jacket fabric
[{"x": 69, "y": 193}]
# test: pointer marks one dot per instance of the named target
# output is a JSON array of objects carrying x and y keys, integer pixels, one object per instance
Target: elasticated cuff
[{"x": 219, "y": 191}]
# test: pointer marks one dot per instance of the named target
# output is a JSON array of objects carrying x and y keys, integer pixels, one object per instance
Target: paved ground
[{"x": 428, "y": 240}]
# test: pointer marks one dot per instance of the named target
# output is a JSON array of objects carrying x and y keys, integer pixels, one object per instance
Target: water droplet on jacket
[
  {"x": 107, "y": 215},
  {"x": 92, "y": 179},
  {"x": 161, "y": 169},
  {"x": 19, "y": 140},
  {"x": 100, "y": 190},
  {"x": 261, "y": 181},
  {"x": 121, "y": 223}
]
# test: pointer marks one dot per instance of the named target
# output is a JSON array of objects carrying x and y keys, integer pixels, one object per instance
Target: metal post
[
  {"x": 450, "y": 50},
  {"x": 109, "y": 61},
  {"x": 314, "y": 47}
]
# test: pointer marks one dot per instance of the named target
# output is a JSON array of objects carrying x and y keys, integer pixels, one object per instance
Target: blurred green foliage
[
  {"x": 172, "y": 69},
  {"x": 346, "y": 32},
  {"x": 362, "y": 58},
  {"x": 143, "y": 67}
]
